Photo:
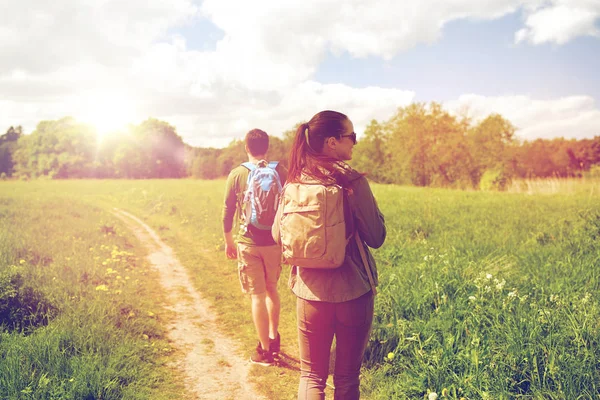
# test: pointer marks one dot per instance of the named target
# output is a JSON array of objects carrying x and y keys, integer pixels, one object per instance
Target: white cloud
[
  {"x": 301, "y": 30},
  {"x": 573, "y": 117},
  {"x": 46, "y": 35},
  {"x": 560, "y": 21},
  {"x": 296, "y": 105},
  {"x": 53, "y": 55}
]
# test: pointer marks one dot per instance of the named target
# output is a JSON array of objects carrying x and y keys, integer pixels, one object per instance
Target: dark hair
[
  {"x": 306, "y": 154},
  {"x": 257, "y": 142}
]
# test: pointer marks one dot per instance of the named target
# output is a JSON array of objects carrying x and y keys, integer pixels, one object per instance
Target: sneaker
[
  {"x": 275, "y": 344},
  {"x": 261, "y": 357}
]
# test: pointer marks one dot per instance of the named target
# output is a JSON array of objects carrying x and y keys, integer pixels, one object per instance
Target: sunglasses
[{"x": 352, "y": 137}]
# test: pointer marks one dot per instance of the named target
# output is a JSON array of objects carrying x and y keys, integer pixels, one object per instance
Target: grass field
[
  {"x": 482, "y": 295},
  {"x": 81, "y": 314}
]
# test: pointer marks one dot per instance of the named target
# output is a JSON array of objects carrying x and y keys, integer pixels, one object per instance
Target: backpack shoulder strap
[
  {"x": 249, "y": 165},
  {"x": 363, "y": 256}
]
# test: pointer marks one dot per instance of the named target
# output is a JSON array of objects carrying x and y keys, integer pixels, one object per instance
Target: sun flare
[{"x": 107, "y": 111}]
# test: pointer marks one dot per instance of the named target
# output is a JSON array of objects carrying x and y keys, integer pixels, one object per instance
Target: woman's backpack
[
  {"x": 262, "y": 195},
  {"x": 312, "y": 227}
]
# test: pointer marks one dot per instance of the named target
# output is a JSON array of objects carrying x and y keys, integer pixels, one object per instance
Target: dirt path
[{"x": 212, "y": 364}]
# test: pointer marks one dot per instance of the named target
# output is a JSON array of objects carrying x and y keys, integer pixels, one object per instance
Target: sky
[{"x": 215, "y": 69}]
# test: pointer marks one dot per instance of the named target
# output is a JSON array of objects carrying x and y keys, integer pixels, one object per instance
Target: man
[{"x": 259, "y": 258}]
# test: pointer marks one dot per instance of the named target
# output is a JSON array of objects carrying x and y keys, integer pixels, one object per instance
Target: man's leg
[
  {"x": 252, "y": 279},
  {"x": 271, "y": 256},
  {"x": 260, "y": 316},
  {"x": 273, "y": 307}
]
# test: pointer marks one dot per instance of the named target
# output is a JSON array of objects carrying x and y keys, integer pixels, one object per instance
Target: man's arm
[
  {"x": 230, "y": 249},
  {"x": 229, "y": 209}
]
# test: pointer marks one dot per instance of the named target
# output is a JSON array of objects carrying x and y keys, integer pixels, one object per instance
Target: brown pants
[{"x": 318, "y": 322}]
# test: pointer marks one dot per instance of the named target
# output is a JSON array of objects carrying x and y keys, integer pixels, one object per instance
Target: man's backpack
[
  {"x": 312, "y": 227},
  {"x": 262, "y": 195}
]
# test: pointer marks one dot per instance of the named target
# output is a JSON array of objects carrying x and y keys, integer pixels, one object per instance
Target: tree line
[
  {"x": 66, "y": 148},
  {"x": 421, "y": 144},
  {"x": 424, "y": 145}
]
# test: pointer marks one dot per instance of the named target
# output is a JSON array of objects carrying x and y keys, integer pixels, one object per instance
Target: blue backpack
[{"x": 262, "y": 195}]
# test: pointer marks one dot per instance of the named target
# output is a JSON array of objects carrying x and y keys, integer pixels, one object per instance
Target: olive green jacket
[{"x": 350, "y": 280}]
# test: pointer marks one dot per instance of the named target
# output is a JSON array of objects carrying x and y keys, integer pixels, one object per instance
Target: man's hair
[{"x": 257, "y": 142}]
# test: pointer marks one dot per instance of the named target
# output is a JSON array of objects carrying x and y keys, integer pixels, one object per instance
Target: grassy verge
[{"x": 80, "y": 314}]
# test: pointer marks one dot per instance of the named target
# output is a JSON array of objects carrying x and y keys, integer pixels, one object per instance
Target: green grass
[
  {"x": 75, "y": 291},
  {"x": 486, "y": 295}
]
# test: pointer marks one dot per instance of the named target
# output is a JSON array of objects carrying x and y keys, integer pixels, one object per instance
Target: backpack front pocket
[
  {"x": 303, "y": 232},
  {"x": 312, "y": 226}
]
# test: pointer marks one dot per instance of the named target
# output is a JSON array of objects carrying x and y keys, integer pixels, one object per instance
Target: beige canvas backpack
[{"x": 312, "y": 230}]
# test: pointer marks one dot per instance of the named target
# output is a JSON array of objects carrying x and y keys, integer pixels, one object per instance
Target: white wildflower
[
  {"x": 500, "y": 285},
  {"x": 586, "y": 298},
  {"x": 432, "y": 396},
  {"x": 488, "y": 276},
  {"x": 472, "y": 298}
]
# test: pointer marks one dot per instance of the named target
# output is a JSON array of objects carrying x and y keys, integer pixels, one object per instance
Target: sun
[{"x": 107, "y": 111}]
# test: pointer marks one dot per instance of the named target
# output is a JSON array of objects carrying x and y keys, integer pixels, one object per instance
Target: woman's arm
[{"x": 369, "y": 219}]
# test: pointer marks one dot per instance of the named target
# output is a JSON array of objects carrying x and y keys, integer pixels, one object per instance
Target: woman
[{"x": 335, "y": 302}]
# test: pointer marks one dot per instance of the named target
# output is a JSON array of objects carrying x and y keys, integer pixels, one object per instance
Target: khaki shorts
[{"x": 259, "y": 267}]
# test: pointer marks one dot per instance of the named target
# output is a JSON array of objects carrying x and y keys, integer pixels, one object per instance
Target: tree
[
  {"x": 427, "y": 146},
  {"x": 205, "y": 164},
  {"x": 371, "y": 155},
  {"x": 231, "y": 156},
  {"x": 290, "y": 135},
  {"x": 150, "y": 150},
  {"x": 57, "y": 149},
  {"x": 8, "y": 146},
  {"x": 278, "y": 150},
  {"x": 492, "y": 142}
]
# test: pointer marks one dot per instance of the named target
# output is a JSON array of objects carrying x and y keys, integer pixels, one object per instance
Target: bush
[
  {"x": 594, "y": 171},
  {"x": 21, "y": 306},
  {"x": 494, "y": 179}
]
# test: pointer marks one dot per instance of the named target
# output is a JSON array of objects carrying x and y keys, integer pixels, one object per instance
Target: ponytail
[
  {"x": 306, "y": 152},
  {"x": 305, "y": 126},
  {"x": 297, "y": 153}
]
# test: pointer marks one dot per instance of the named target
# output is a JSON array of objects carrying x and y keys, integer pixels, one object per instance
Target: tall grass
[
  {"x": 490, "y": 296},
  {"x": 572, "y": 186}
]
